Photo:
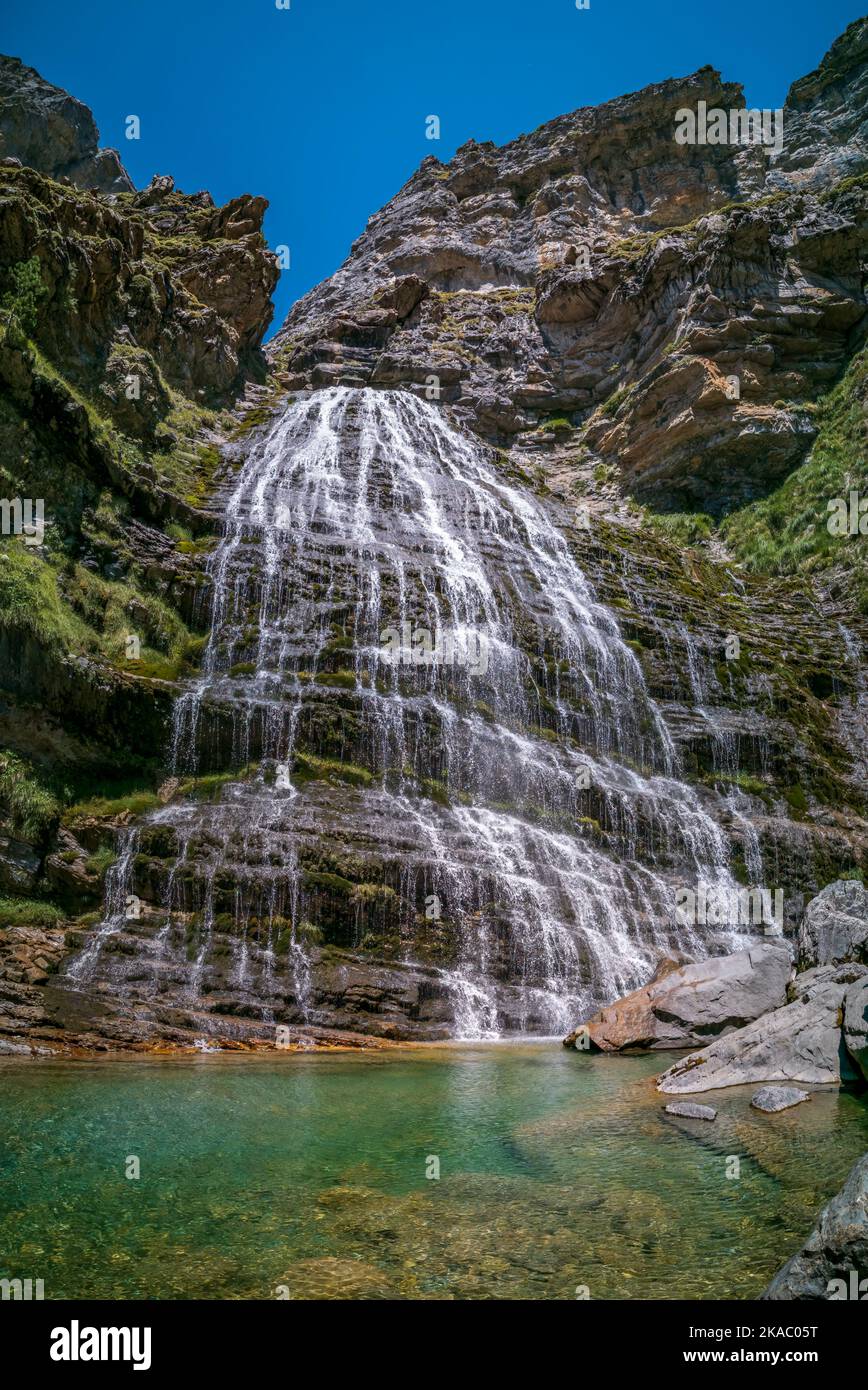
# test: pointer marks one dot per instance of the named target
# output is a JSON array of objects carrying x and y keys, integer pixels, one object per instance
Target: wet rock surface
[
  {"x": 406, "y": 853},
  {"x": 771, "y": 1099},
  {"x": 686, "y": 1110},
  {"x": 856, "y": 1024}
]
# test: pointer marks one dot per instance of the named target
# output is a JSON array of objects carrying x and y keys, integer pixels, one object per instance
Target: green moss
[
  {"x": 341, "y": 680},
  {"x": 796, "y": 800},
  {"x": 309, "y": 768},
  {"x": 100, "y": 861},
  {"x": 252, "y": 419},
  {"x": 209, "y": 787},
  {"x": 329, "y": 883},
  {"x": 558, "y": 423},
  {"x": 611, "y": 406},
  {"x": 106, "y": 808}
]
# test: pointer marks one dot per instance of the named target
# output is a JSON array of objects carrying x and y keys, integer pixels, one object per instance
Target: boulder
[
  {"x": 686, "y": 1004},
  {"x": 770, "y": 1099},
  {"x": 800, "y": 1042},
  {"x": 835, "y": 926},
  {"x": 833, "y": 1262},
  {"x": 856, "y": 1023}
]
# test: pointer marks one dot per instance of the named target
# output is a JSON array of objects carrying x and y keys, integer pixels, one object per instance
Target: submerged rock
[
  {"x": 773, "y": 1098},
  {"x": 684, "y": 1004},
  {"x": 833, "y": 1262},
  {"x": 687, "y": 1110}
]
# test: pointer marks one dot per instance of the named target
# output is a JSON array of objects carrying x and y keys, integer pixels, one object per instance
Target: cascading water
[{"x": 452, "y": 767}]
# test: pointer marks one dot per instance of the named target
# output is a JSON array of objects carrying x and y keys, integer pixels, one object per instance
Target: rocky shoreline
[{"x": 785, "y": 1019}]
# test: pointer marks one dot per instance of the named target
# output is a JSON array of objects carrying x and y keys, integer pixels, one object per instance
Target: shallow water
[{"x": 305, "y": 1176}]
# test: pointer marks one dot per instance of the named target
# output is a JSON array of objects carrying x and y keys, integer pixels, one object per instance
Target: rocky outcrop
[
  {"x": 800, "y": 1042},
  {"x": 825, "y": 137},
  {"x": 833, "y": 1262},
  {"x": 834, "y": 929},
  {"x": 686, "y": 1004},
  {"x": 49, "y": 130},
  {"x": 157, "y": 284}
]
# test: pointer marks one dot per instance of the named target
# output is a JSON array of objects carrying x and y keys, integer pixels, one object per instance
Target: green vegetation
[
  {"x": 683, "y": 528},
  {"x": 106, "y": 808},
  {"x": 611, "y": 406},
  {"x": 101, "y": 860},
  {"x": 787, "y": 532},
  {"x": 309, "y": 769},
  {"x": 28, "y": 912},
  {"x": 32, "y": 808},
  {"x": 21, "y": 302}
]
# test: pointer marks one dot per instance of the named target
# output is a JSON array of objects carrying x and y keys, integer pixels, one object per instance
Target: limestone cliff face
[{"x": 599, "y": 271}]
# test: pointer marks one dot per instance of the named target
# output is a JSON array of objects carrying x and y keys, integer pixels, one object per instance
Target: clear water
[{"x": 306, "y": 1175}]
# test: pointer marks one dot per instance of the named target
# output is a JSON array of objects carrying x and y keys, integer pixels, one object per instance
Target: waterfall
[{"x": 406, "y": 651}]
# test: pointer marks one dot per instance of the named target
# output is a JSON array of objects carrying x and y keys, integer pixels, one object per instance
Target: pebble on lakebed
[{"x": 772, "y": 1098}]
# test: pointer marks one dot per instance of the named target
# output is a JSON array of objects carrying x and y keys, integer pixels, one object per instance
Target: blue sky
[{"x": 321, "y": 108}]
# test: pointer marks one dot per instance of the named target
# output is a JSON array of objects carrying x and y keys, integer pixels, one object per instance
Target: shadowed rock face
[
  {"x": 49, "y": 130},
  {"x": 856, "y": 1024},
  {"x": 598, "y": 270},
  {"x": 833, "y": 1262}
]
